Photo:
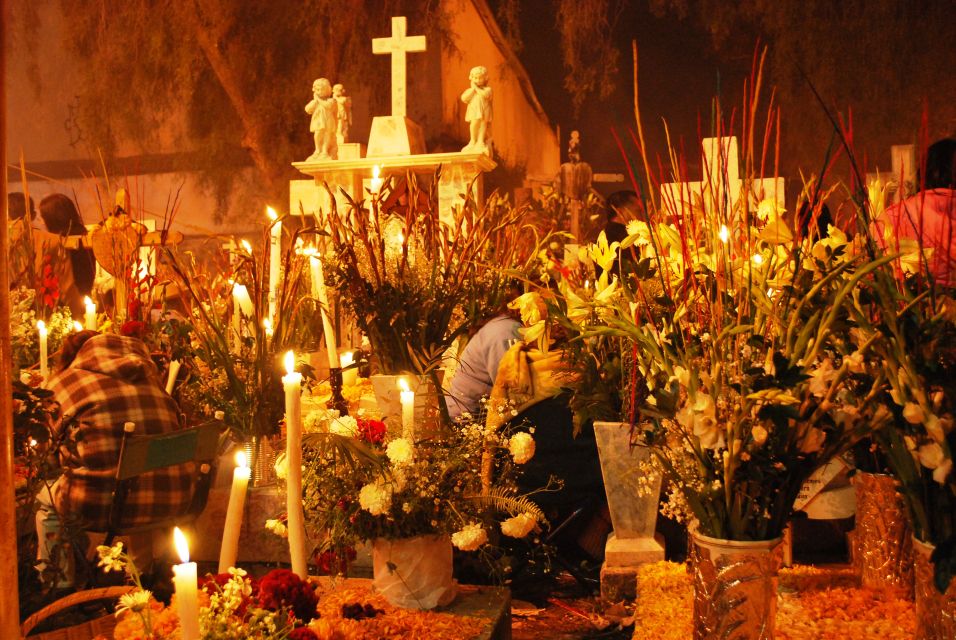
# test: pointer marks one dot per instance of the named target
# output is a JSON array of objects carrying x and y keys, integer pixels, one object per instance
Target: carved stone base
[
  {"x": 622, "y": 559},
  {"x": 351, "y": 151},
  {"x": 394, "y": 136}
]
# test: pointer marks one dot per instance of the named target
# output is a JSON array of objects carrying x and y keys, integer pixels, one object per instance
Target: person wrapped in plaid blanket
[{"x": 107, "y": 380}]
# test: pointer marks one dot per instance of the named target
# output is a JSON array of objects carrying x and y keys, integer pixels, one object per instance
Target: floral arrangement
[
  {"x": 362, "y": 484},
  {"x": 232, "y": 605},
  {"x": 23, "y": 328},
  {"x": 236, "y": 350},
  {"x": 413, "y": 281}
]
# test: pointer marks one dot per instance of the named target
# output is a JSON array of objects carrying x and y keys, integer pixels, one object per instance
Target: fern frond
[{"x": 499, "y": 500}]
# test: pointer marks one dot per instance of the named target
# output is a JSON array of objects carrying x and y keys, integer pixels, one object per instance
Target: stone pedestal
[
  {"x": 394, "y": 136},
  {"x": 632, "y": 499},
  {"x": 351, "y": 150}
]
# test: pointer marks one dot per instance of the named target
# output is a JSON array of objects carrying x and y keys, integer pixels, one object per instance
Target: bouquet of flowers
[
  {"x": 361, "y": 485},
  {"x": 232, "y": 606},
  {"x": 23, "y": 328}
]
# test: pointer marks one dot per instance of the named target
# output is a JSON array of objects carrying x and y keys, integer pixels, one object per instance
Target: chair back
[{"x": 142, "y": 454}]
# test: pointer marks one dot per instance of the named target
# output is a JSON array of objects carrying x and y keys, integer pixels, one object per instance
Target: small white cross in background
[
  {"x": 397, "y": 46},
  {"x": 722, "y": 178}
]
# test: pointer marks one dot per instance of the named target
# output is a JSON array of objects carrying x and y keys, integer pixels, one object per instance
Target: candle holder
[{"x": 338, "y": 400}]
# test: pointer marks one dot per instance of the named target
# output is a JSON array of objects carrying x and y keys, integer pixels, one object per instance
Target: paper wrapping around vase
[
  {"x": 882, "y": 538},
  {"x": 414, "y": 573},
  {"x": 735, "y": 588},
  {"x": 935, "y": 611}
]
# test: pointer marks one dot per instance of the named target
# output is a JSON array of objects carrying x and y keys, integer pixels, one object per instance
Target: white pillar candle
[
  {"x": 241, "y": 306},
  {"x": 292, "y": 383},
  {"x": 44, "y": 356},
  {"x": 237, "y": 502},
  {"x": 89, "y": 318},
  {"x": 171, "y": 378},
  {"x": 320, "y": 293},
  {"x": 375, "y": 184},
  {"x": 187, "y": 589},
  {"x": 275, "y": 260},
  {"x": 349, "y": 376},
  {"x": 407, "y": 398}
]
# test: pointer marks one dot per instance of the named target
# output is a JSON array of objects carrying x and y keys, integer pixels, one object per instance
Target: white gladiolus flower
[
  {"x": 933, "y": 457},
  {"x": 854, "y": 362},
  {"x": 518, "y": 526},
  {"x": 913, "y": 413},
  {"x": 470, "y": 538},
  {"x": 400, "y": 451},
  {"x": 375, "y": 499},
  {"x": 759, "y": 434},
  {"x": 701, "y": 417},
  {"x": 521, "y": 446}
]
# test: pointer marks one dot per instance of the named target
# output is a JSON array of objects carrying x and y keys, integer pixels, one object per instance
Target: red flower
[
  {"x": 49, "y": 284},
  {"x": 372, "y": 431},
  {"x": 335, "y": 560},
  {"x": 282, "y": 588},
  {"x": 134, "y": 329},
  {"x": 303, "y": 633}
]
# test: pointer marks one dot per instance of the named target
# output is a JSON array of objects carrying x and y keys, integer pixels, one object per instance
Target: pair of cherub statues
[{"x": 331, "y": 111}]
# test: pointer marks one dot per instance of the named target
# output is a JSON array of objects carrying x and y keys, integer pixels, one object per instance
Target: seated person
[
  {"x": 930, "y": 215},
  {"x": 104, "y": 381}
]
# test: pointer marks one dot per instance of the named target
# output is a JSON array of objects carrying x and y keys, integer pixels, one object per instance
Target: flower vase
[
  {"x": 935, "y": 611},
  {"x": 414, "y": 573},
  {"x": 882, "y": 537},
  {"x": 261, "y": 455},
  {"x": 427, "y": 415},
  {"x": 735, "y": 587}
]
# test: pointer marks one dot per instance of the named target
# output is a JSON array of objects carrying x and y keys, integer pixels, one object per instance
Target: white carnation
[
  {"x": 521, "y": 446},
  {"x": 344, "y": 426},
  {"x": 470, "y": 538},
  {"x": 400, "y": 451},
  {"x": 375, "y": 499},
  {"x": 518, "y": 526},
  {"x": 312, "y": 423},
  {"x": 282, "y": 466}
]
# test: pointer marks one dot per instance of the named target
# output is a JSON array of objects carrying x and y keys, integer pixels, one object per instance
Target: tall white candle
[
  {"x": 241, "y": 306},
  {"x": 349, "y": 376},
  {"x": 237, "y": 502},
  {"x": 89, "y": 318},
  {"x": 187, "y": 589},
  {"x": 275, "y": 260},
  {"x": 174, "y": 366},
  {"x": 320, "y": 293},
  {"x": 407, "y": 398},
  {"x": 375, "y": 184},
  {"x": 44, "y": 356},
  {"x": 292, "y": 383}
]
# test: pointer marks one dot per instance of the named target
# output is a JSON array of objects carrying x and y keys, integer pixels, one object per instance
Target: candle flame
[
  {"x": 246, "y": 246},
  {"x": 724, "y": 233},
  {"x": 87, "y": 301},
  {"x": 376, "y": 171},
  {"x": 758, "y": 259},
  {"x": 41, "y": 327},
  {"x": 272, "y": 214},
  {"x": 182, "y": 546},
  {"x": 77, "y": 326},
  {"x": 33, "y": 442},
  {"x": 289, "y": 362},
  {"x": 241, "y": 459},
  {"x": 267, "y": 327},
  {"x": 347, "y": 358},
  {"x": 403, "y": 385}
]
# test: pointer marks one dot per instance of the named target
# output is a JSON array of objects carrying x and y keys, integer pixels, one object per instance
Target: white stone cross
[
  {"x": 722, "y": 177},
  {"x": 397, "y": 46}
]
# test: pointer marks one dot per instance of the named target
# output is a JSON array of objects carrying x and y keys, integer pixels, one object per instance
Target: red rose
[
  {"x": 281, "y": 588},
  {"x": 372, "y": 431}
]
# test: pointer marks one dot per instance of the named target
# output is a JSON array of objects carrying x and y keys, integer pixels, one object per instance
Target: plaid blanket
[{"x": 113, "y": 381}]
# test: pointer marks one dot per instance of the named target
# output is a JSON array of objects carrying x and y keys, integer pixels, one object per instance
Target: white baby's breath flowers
[
  {"x": 521, "y": 446},
  {"x": 470, "y": 538},
  {"x": 375, "y": 499},
  {"x": 400, "y": 451},
  {"x": 519, "y": 526}
]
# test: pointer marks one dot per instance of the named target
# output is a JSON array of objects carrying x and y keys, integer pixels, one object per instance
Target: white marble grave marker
[
  {"x": 721, "y": 170},
  {"x": 397, "y": 46}
]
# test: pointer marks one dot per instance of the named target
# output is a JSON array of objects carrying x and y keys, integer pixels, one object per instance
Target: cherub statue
[
  {"x": 479, "y": 112},
  {"x": 322, "y": 107},
  {"x": 574, "y": 147},
  {"x": 343, "y": 114}
]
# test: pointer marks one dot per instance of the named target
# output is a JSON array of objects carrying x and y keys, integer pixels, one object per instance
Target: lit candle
[
  {"x": 241, "y": 305},
  {"x": 407, "y": 397},
  {"x": 267, "y": 327},
  {"x": 185, "y": 583},
  {"x": 320, "y": 293},
  {"x": 375, "y": 184},
  {"x": 77, "y": 326},
  {"x": 724, "y": 233},
  {"x": 44, "y": 356},
  {"x": 275, "y": 259},
  {"x": 171, "y": 378},
  {"x": 89, "y": 318},
  {"x": 292, "y": 383},
  {"x": 349, "y": 376},
  {"x": 237, "y": 502}
]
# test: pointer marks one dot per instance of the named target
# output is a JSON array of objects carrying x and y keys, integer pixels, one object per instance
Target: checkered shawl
[{"x": 113, "y": 381}]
